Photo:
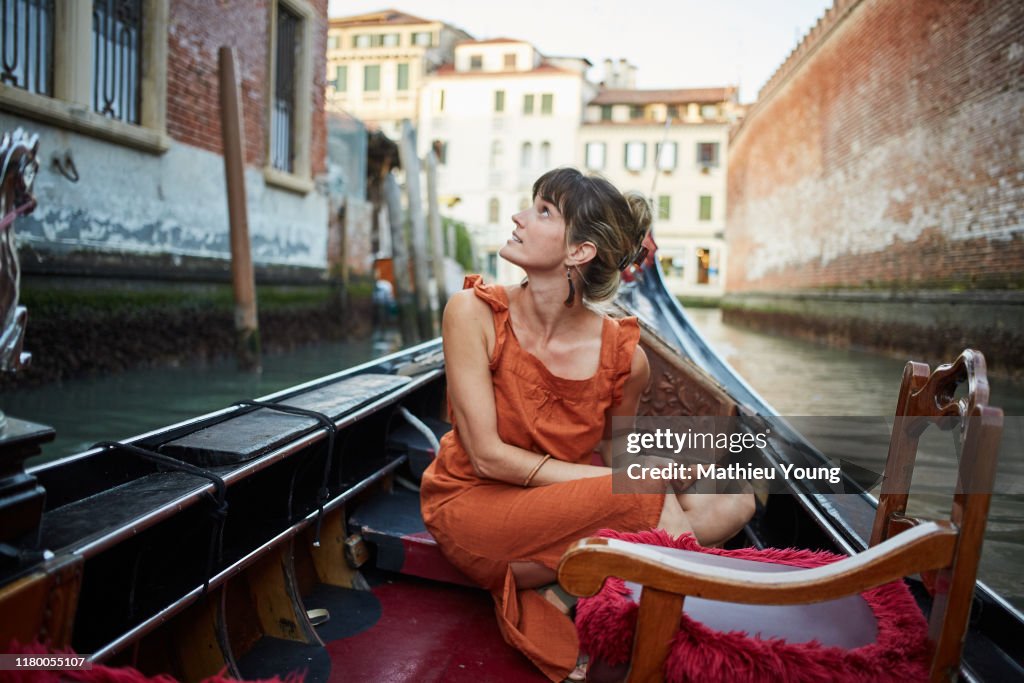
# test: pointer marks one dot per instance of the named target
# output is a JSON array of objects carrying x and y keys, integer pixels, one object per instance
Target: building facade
[
  {"x": 131, "y": 179},
  {"x": 377, "y": 62},
  {"x": 875, "y": 188},
  {"x": 500, "y": 115},
  {"x": 672, "y": 146}
]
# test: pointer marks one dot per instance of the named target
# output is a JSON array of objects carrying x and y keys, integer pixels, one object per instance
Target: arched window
[
  {"x": 526, "y": 156},
  {"x": 545, "y": 155},
  {"x": 493, "y": 210}
]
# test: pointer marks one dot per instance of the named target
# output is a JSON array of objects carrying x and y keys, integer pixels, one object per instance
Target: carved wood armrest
[{"x": 587, "y": 564}]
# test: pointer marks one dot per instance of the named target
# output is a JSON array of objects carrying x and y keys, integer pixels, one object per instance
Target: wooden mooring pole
[
  {"x": 403, "y": 289},
  {"x": 411, "y": 165},
  {"x": 247, "y": 334},
  {"x": 436, "y": 235}
]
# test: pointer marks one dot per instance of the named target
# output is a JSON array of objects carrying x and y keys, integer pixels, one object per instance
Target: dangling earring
[
  {"x": 571, "y": 299},
  {"x": 525, "y": 281}
]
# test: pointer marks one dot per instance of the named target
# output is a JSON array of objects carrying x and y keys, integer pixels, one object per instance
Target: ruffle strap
[
  {"x": 495, "y": 297},
  {"x": 621, "y": 354}
]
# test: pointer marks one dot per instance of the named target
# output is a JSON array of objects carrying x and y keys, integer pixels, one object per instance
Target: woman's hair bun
[{"x": 640, "y": 209}]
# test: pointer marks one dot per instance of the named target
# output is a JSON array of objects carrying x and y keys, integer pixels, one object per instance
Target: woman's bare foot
[{"x": 580, "y": 672}]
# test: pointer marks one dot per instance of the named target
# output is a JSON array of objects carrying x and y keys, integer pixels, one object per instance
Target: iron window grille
[
  {"x": 117, "y": 58},
  {"x": 282, "y": 119},
  {"x": 28, "y": 45}
]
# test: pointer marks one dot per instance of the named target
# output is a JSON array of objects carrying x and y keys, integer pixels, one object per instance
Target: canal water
[
  {"x": 114, "y": 407},
  {"x": 801, "y": 378},
  {"x": 796, "y": 377}
]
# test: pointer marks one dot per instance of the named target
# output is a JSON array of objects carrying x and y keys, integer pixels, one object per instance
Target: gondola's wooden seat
[{"x": 900, "y": 546}]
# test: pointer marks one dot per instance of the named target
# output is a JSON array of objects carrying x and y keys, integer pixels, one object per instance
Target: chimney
[
  {"x": 609, "y": 74},
  {"x": 630, "y": 77}
]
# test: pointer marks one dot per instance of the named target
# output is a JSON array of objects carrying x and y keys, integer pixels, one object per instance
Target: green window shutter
[{"x": 705, "y": 207}]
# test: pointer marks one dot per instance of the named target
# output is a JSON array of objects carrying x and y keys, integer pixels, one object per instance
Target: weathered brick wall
[
  {"x": 887, "y": 151},
  {"x": 197, "y": 30}
]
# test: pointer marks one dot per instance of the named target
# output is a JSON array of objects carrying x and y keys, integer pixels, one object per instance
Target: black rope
[
  {"x": 324, "y": 494},
  {"x": 219, "y": 512}
]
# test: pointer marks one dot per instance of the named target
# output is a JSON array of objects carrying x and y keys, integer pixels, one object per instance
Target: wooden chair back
[{"x": 927, "y": 399}]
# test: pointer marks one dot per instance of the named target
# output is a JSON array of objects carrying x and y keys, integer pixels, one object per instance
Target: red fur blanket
[{"x": 606, "y": 623}]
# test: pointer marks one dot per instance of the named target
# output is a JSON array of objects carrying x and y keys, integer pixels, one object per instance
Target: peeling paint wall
[
  {"x": 887, "y": 151},
  {"x": 139, "y": 203}
]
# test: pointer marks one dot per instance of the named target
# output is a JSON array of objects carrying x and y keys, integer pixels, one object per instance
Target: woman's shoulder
[{"x": 465, "y": 304}]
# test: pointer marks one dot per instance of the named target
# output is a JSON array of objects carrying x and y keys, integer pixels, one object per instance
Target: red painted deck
[{"x": 429, "y": 632}]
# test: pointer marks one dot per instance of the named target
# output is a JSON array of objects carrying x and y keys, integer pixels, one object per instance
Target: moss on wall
[{"x": 79, "y": 327}]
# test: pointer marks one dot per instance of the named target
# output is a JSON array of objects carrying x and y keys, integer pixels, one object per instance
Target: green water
[{"x": 84, "y": 411}]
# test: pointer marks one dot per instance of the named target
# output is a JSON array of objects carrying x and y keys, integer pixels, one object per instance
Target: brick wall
[
  {"x": 197, "y": 30},
  {"x": 888, "y": 150}
]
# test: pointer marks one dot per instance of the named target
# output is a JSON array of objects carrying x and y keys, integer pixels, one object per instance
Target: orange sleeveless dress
[{"x": 482, "y": 524}]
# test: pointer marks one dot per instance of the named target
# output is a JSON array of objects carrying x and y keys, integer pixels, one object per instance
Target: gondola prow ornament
[{"x": 18, "y": 166}]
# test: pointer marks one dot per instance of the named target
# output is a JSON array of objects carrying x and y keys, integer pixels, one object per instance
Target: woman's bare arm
[
  {"x": 467, "y": 331},
  {"x": 639, "y": 374}
]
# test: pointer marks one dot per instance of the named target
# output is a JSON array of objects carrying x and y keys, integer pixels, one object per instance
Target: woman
[{"x": 534, "y": 377}]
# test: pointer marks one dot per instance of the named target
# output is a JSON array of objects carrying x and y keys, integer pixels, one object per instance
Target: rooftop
[
  {"x": 387, "y": 17},
  {"x": 543, "y": 68},
  {"x": 489, "y": 41},
  {"x": 677, "y": 96}
]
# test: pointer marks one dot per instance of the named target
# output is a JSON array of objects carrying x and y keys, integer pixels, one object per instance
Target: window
[
  {"x": 423, "y": 38},
  {"x": 96, "y": 67},
  {"x": 116, "y": 32},
  {"x": 341, "y": 78},
  {"x": 666, "y": 153},
  {"x": 703, "y": 265},
  {"x": 672, "y": 112},
  {"x": 282, "y": 116},
  {"x": 664, "y": 207},
  {"x": 28, "y": 45},
  {"x": 636, "y": 156},
  {"x": 290, "y": 128},
  {"x": 636, "y": 112},
  {"x": 547, "y": 103},
  {"x": 439, "y": 101},
  {"x": 403, "y": 77},
  {"x": 476, "y": 62},
  {"x": 595, "y": 155},
  {"x": 361, "y": 40},
  {"x": 527, "y": 104},
  {"x": 606, "y": 112},
  {"x": 707, "y": 154},
  {"x": 497, "y": 151},
  {"x": 440, "y": 150},
  {"x": 526, "y": 155},
  {"x": 371, "y": 78},
  {"x": 389, "y": 40},
  {"x": 499, "y": 101},
  {"x": 333, "y": 42},
  {"x": 545, "y": 154},
  {"x": 709, "y": 111},
  {"x": 705, "y": 207},
  {"x": 510, "y": 61},
  {"x": 493, "y": 210}
]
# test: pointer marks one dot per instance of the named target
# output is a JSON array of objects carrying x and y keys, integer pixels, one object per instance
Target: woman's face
[{"x": 538, "y": 238}]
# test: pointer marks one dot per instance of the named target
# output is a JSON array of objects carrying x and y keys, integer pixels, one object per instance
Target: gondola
[{"x": 283, "y": 534}]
